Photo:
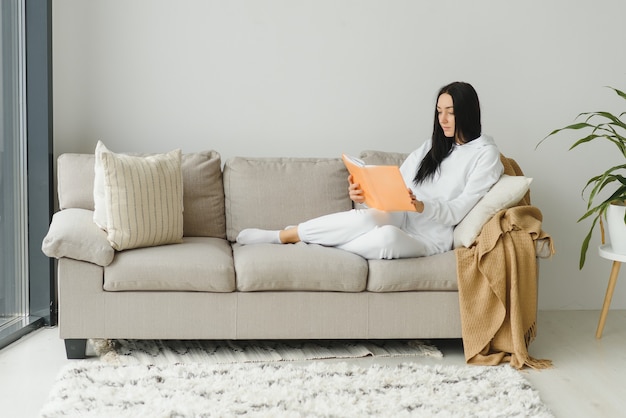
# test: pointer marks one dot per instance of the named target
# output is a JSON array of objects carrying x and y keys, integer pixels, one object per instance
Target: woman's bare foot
[{"x": 289, "y": 235}]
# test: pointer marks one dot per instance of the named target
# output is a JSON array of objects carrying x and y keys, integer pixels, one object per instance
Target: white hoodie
[{"x": 464, "y": 176}]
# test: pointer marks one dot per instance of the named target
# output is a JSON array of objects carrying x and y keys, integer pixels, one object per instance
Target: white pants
[{"x": 370, "y": 233}]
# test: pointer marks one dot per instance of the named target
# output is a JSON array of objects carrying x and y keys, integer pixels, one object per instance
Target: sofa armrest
[{"x": 73, "y": 234}]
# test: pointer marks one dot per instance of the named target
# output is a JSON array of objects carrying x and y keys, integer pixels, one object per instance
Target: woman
[{"x": 445, "y": 177}]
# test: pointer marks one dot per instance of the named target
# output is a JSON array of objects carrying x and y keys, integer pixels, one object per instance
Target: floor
[{"x": 587, "y": 380}]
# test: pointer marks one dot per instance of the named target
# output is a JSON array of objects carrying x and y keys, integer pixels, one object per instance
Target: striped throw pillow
[{"x": 143, "y": 199}]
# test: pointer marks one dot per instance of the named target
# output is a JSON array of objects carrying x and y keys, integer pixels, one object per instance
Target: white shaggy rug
[
  {"x": 319, "y": 389},
  {"x": 208, "y": 351}
]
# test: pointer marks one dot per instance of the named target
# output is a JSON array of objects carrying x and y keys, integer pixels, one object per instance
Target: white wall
[{"x": 317, "y": 78}]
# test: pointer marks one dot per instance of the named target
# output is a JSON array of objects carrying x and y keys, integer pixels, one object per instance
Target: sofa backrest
[
  {"x": 383, "y": 157},
  {"x": 203, "y": 192},
  {"x": 251, "y": 192},
  {"x": 273, "y": 193}
]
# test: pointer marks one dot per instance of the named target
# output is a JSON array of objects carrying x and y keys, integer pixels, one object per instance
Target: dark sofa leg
[{"x": 75, "y": 348}]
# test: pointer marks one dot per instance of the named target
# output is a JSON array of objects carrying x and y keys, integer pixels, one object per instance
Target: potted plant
[{"x": 603, "y": 126}]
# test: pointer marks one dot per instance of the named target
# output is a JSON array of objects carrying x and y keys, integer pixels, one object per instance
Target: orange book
[{"x": 383, "y": 186}]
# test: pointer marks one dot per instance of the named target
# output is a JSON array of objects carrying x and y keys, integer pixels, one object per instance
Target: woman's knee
[
  {"x": 385, "y": 242},
  {"x": 392, "y": 242},
  {"x": 386, "y": 236}
]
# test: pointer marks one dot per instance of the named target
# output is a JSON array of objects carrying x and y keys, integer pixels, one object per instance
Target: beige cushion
[
  {"x": 383, "y": 157},
  {"x": 272, "y": 193},
  {"x": 99, "y": 201},
  {"x": 198, "y": 264},
  {"x": 203, "y": 190},
  {"x": 306, "y": 267},
  {"x": 143, "y": 199},
  {"x": 203, "y": 195},
  {"x": 75, "y": 181},
  {"x": 73, "y": 234},
  {"x": 504, "y": 194},
  {"x": 436, "y": 272}
]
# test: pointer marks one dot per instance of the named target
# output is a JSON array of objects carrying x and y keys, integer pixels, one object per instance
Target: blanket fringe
[
  {"x": 533, "y": 363},
  {"x": 538, "y": 364},
  {"x": 530, "y": 335}
]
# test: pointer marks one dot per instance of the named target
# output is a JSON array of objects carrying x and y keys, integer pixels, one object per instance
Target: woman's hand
[
  {"x": 419, "y": 205},
  {"x": 355, "y": 191}
]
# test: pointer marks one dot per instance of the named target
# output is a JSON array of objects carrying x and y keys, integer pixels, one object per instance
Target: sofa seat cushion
[
  {"x": 436, "y": 273},
  {"x": 200, "y": 264},
  {"x": 304, "y": 267}
]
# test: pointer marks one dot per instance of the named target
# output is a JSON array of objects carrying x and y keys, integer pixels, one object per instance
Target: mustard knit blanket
[
  {"x": 498, "y": 290},
  {"x": 498, "y": 286}
]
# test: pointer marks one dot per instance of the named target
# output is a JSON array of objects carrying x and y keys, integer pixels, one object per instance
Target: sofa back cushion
[
  {"x": 203, "y": 195},
  {"x": 75, "y": 177},
  {"x": 272, "y": 193},
  {"x": 203, "y": 192},
  {"x": 383, "y": 157}
]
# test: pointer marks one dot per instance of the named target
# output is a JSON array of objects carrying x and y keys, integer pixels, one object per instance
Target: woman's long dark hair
[{"x": 467, "y": 128}]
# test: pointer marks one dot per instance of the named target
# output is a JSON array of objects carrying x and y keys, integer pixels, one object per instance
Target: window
[
  {"x": 25, "y": 141},
  {"x": 13, "y": 266}
]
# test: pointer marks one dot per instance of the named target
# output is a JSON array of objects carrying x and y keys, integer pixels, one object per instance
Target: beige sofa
[{"x": 209, "y": 287}]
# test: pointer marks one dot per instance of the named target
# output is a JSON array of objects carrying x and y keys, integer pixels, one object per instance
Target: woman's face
[{"x": 445, "y": 111}]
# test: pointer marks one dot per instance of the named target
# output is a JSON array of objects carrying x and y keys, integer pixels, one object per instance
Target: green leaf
[
  {"x": 619, "y": 92},
  {"x": 586, "y": 139},
  {"x": 604, "y": 126},
  {"x": 579, "y": 125},
  {"x": 609, "y": 116},
  {"x": 585, "y": 245}
]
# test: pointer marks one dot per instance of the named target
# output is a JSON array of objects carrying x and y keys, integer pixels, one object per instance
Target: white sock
[{"x": 258, "y": 236}]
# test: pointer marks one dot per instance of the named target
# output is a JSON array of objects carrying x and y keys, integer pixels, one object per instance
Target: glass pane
[{"x": 13, "y": 302}]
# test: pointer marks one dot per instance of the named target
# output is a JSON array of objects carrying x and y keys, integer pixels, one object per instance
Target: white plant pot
[{"x": 616, "y": 227}]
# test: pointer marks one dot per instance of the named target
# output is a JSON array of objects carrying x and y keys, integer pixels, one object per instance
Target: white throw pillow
[
  {"x": 99, "y": 212},
  {"x": 507, "y": 191},
  {"x": 143, "y": 199}
]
